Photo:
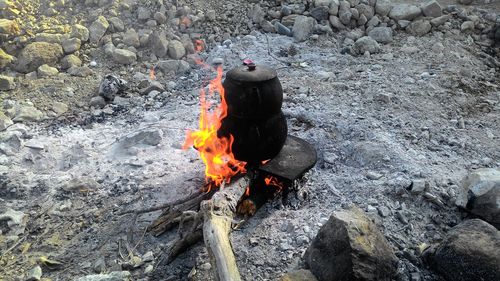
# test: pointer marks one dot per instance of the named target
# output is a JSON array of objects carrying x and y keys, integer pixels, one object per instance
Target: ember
[{"x": 220, "y": 164}]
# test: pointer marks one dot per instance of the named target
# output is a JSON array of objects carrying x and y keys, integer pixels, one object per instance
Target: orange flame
[
  {"x": 220, "y": 164},
  {"x": 273, "y": 181},
  {"x": 198, "y": 45}
]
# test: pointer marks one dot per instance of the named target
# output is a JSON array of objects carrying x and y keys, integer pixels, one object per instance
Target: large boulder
[
  {"x": 405, "y": 12},
  {"x": 469, "y": 252},
  {"x": 36, "y": 54},
  {"x": 350, "y": 247},
  {"x": 480, "y": 194}
]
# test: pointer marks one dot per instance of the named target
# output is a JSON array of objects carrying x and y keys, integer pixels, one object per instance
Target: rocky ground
[{"x": 400, "y": 101}]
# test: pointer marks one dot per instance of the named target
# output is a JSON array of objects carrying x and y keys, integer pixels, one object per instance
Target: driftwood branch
[{"x": 218, "y": 215}]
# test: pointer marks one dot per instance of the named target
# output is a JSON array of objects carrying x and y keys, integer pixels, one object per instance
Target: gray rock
[
  {"x": 159, "y": 44},
  {"x": 289, "y": 21},
  {"x": 5, "y": 59},
  {"x": 334, "y": 8},
  {"x": 373, "y": 22},
  {"x": 419, "y": 27},
  {"x": 362, "y": 20},
  {"x": 81, "y": 32},
  {"x": 354, "y": 14},
  {"x": 366, "y": 44},
  {"x": 383, "y": 211},
  {"x": 267, "y": 26},
  {"x": 97, "y": 29},
  {"x": 174, "y": 66},
  {"x": 59, "y": 108},
  {"x": 9, "y": 27},
  {"x": 112, "y": 276},
  {"x": 480, "y": 194},
  {"x": 14, "y": 220},
  {"x": 335, "y": 22},
  {"x": 143, "y": 13},
  {"x": 70, "y": 61},
  {"x": 345, "y": 18},
  {"x": 350, "y": 247},
  {"x": 35, "y": 274},
  {"x": 97, "y": 102},
  {"x": 124, "y": 56},
  {"x": 405, "y": 12},
  {"x": 403, "y": 23},
  {"x": 324, "y": 3},
  {"x": 7, "y": 83},
  {"x": 176, "y": 50},
  {"x": 256, "y": 14},
  {"x": 71, "y": 45},
  {"x": 281, "y": 29},
  {"x": 80, "y": 71},
  {"x": 419, "y": 186},
  {"x": 381, "y": 34},
  {"x": 469, "y": 252},
  {"x": 148, "y": 256},
  {"x": 49, "y": 37},
  {"x": 36, "y": 54},
  {"x": 465, "y": 2},
  {"x": 467, "y": 26},
  {"x": 383, "y": 7},
  {"x": 432, "y": 9},
  {"x": 366, "y": 10},
  {"x": 320, "y": 13},
  {"x": 46, "y": 71},
  {"x": 5, "y": 121},
  {"x": 131, "y": 38},
  {"x": 116, "y": 24},
  {"x": 440, "y": 20},
  {"x": 142, "y": 139},
  {"x": 303, "y": 28},
  {"x": 162, "y": 19},
  {"x": 26, "y": 113},
  {"x": 355, "y": 34}
]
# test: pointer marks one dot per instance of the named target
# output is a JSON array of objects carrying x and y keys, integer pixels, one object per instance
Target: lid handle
[{"x": 250, "y": 64}]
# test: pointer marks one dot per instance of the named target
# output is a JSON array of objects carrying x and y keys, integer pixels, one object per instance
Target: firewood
[{"x": 218, "y": 215}]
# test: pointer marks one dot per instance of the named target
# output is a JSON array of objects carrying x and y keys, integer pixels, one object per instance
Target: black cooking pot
[
  {"x": 253, "y": 91},
  {"x": 254, "y": 97}
]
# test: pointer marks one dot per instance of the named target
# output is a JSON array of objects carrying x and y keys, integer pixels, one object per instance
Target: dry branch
[{"x": 218, "y": 215}]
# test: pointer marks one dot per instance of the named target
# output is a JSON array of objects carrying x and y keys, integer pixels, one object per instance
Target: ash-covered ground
[{"x": 420, "y": 111}]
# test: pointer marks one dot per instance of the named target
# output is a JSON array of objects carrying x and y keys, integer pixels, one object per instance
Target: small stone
[
  {"x": 5, "y": 121},
  {"x": 383, "y": 7},
  {"x": 7, "y": 83},
  {"x": 467, "y": 26},
  {"x": 80, "y": 32},
  {"x": 159, "y": 44},
  {"x": 124, "y": 56},
  {"x": 160, "y": 17},
  {"x": 465, "y": 2},
  {"x": 299, "y": 275},
  {"x": 116, "y": 24},
  {"x": 419, "y": 186},
  {"x": 345, "y": 18},
  {"x": 71, "y": 45},
  {"x": 131, "y": 38},
  {"x": 206, "y": 266},
  {"x": 366, "y": 44},
  {"x": 281, "y": 29},
  {"x": 405, "y": 12},
  {"x": 440, "y": 20},
  {"x": 403, "y": 23},
  {"x": 383, "y": 211},
  {"x": 35, "y": 274},
  {"x": 336, "y": 23},
  {"x": 419, "y": 27},
  {"x": 97, "y": 29},
  {"x": 47, "y": 71},
  {"x": 143, "y": 13},
  {"x": 366, "y": 10},
  {"x": 303, "y": 28},
  {"x": 148, "y": 256},
  {"x": 70, "y": 61},
  {"x": 267, "y": 26},
  {"x": 381, "y": 34},
  {"x": 149, "y": 268},
  {"x": 320, "y": 13},
  {"x": 174, "y": 66},
  {"x": 432, "y": 9},
  {"x": 59, "y": 108},
  {"x": 97, "y": 102},
  {"x": 176, "y": 50}
]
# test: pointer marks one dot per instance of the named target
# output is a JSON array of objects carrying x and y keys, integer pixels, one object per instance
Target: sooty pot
[{"x": 254, "y": 97}]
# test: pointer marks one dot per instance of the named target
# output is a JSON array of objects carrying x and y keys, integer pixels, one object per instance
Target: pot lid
[{"x": 251, "y": 72}]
